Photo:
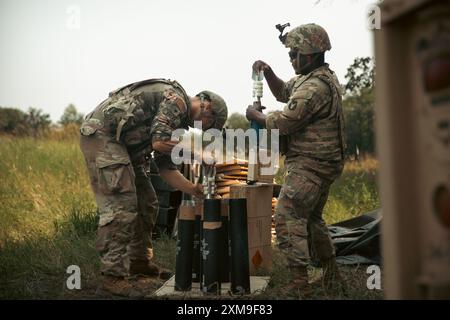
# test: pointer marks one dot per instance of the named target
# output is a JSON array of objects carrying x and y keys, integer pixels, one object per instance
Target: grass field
[{"x": 48, "y": 222}]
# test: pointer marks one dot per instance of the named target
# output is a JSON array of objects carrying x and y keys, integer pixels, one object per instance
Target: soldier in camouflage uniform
[
  {"x": 117, "y": 139},
  {"x": 311, "y": 130}
]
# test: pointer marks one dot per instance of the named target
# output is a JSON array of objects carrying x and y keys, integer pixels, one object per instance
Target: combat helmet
[
  {"x": 308, "y": 39},
  {"x": 219, "y": 108}
]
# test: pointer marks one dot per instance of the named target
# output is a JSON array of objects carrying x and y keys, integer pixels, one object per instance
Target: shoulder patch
[
  {"x": 171, "y": 96},
  {"x": 300, "y": 101},
  {"x": 292, "y": 104}
]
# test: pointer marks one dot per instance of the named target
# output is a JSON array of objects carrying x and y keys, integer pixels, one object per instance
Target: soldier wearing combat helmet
[
  {"x": 311, "y": 129},
  {"x": 117, "y": 139}
]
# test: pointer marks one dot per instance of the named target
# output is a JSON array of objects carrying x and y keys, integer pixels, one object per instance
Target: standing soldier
[
  {"x": 311, "y": 130},
  {"x": 117, "y": 139}
]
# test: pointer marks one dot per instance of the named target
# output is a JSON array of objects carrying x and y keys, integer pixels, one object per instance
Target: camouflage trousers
[
  {"x": 301, "y": 231},
  {"x": 126, "y": 202}
]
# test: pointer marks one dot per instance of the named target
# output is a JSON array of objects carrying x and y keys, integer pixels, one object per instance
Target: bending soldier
[{"x": 117, "y": 139}]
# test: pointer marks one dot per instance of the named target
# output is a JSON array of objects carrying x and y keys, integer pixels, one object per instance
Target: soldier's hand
[
  {"x": 257, "y": 105},
  {"x": 260, "y": 66},
  {"x": 254, "y": 112},
  {"x": 197, "y": 191}
]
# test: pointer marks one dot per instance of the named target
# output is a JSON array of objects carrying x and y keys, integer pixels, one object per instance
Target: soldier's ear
[
  {"x": 206, "y": 107},
  {"x": 209, "y": 106}
]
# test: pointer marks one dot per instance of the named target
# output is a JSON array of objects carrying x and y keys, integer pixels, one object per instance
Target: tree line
[{"x": 34, "y": 122}]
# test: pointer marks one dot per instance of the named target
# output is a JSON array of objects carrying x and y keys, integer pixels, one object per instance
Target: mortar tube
[
  {"x": 196, "y": 258},
  {"x": 240, "y": 270},
  {"x": 197, "y": 266},
  {"x": 211, "y": 246},
  {"x": 185, "y": 245},
  {"x": 224, "y": 258},
  {"x": 201, "y": 271}
]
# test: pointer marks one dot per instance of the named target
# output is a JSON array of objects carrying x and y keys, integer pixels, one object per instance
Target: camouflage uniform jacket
[
  {"x": 311, "y": 125},
  {"x": 139, "y": 114}
]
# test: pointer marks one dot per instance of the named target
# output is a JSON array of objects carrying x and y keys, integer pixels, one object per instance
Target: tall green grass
[
  {"x": 354, "y": 193},
  {"x": 41, "y": 182},
  {"x": 47, "y": 216}
]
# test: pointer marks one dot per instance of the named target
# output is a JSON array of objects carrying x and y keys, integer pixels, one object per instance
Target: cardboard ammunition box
[
  {"x": 254, "y": 174},
  {"x": 259, "y": 224},
  {"x": 260, "y": 260}
]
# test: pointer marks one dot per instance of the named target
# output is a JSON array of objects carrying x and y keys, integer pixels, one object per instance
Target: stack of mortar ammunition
[
  {"x": 230, "y": 174},
  {"x": 212, "y": 244}
]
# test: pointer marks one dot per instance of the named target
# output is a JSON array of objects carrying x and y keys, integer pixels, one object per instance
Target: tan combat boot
[
  {"x": 331, "y": 275},
  {"x": 110, "y": 286},
  {"x": 149, "y": 268}
]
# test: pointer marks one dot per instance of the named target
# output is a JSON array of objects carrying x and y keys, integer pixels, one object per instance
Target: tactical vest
[
  {"x": 128, "y": 112},
  {"x": 323, "y": 138}
]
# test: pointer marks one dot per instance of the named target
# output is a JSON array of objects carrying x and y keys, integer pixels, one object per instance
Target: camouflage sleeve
[
  {"x": 286, "y": 90},
  {"x": 307, "y": 101},
  {"x": 163, "y": 161},
  {"x": 170, "y": 116}
]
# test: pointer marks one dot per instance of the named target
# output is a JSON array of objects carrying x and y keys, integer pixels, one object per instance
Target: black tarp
[{"x": 357, "y": 240}]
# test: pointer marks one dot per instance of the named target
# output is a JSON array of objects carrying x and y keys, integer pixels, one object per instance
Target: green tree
[
  {"x": 71, "y": 115},
  {"x": 360, "y": 75},
  {"x": 12, "y": 121},
  {"x": 37, "y": 121},
  {"x": 16, "y": 122},
  {"x": 237, "y": 121},
  {"x": 358, "y": 105},
  {"x": 359, "y": 122}
]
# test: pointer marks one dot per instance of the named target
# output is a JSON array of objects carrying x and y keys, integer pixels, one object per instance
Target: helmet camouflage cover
[
  {"x": 308, "y": 39},
  {"x": 219, "y": 108}
]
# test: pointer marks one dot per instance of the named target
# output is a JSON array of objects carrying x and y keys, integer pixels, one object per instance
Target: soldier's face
[
  {"x": 207, "y": 117},
  {"x": 301, "y": 63},
  {"x": 203, "y": 112},
  {"x": 295, "y": 60}
]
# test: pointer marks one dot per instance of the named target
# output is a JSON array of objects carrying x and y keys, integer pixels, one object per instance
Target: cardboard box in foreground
[{"x": 259, "y": 224}]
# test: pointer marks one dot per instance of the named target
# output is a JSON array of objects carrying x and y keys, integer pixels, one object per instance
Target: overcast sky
[{"x": 49, "y": 57}]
